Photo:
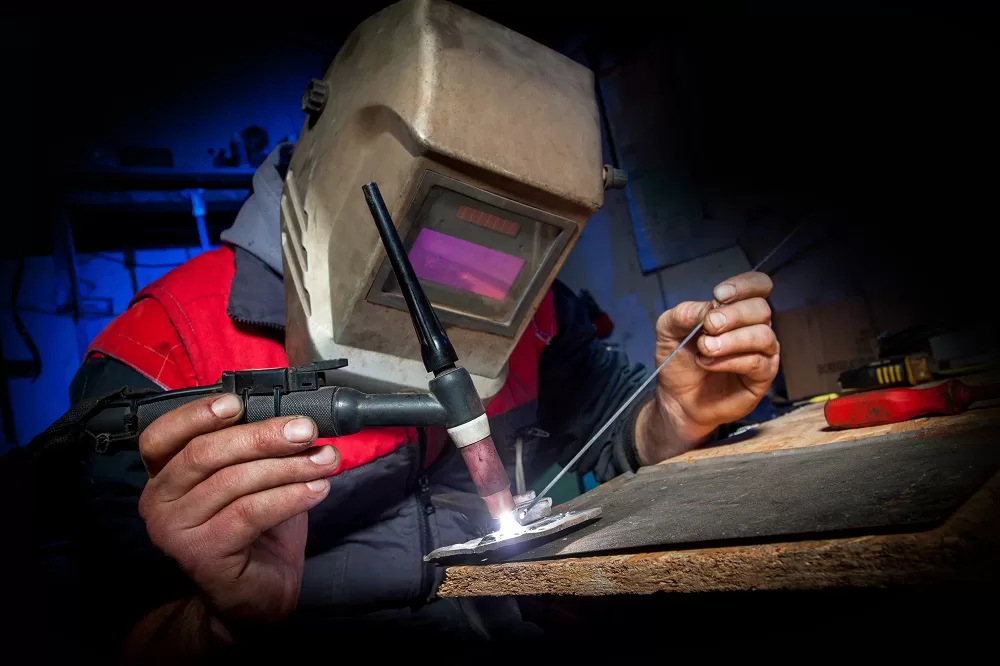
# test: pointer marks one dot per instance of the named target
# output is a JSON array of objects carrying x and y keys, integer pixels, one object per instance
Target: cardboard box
[{"x": 820, "y": 342}]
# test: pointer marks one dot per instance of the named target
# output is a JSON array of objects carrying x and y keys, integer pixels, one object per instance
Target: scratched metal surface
[{"x": 896, "y": 482}]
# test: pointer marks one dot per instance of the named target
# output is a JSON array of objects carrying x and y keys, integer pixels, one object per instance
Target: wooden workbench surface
[
  {"x": 962, "y": 548},
  {"x": 806, "y": 427}
]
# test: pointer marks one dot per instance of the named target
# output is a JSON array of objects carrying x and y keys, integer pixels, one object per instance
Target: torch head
[
  {"x": 489, "y": 476},
  {"x": 469, "y": 428}
]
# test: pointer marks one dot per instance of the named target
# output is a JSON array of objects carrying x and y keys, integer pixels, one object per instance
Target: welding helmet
[{"x": 486, "y": 147}]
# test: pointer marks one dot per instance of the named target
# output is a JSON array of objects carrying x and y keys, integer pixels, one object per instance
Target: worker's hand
[
  {"x": 228, "y": 502},
  {"x": 719, "y": 376}
]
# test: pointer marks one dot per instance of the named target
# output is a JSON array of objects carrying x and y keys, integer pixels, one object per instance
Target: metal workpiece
[
  {"x": 527, "y": 511},
  {"x": 546, "y": 527}
]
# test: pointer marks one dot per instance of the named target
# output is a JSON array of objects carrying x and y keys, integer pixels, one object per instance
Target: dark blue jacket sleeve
[
  {"x": 581, "y": 383},
  {"x": 119, "y": 569}
]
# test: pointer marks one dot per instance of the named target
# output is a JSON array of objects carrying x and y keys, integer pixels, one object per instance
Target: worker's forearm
[
  {"x": 659, "y": 436},
  {"x": 182, "y": 631}
]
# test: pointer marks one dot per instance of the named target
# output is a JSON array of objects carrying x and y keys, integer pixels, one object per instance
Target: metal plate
[
  {"x": 898, "y": 482},
  {"x": 545, "y": 527}
]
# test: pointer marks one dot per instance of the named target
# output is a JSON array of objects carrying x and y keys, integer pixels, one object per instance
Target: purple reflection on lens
[{"x": 463, "y": 265}]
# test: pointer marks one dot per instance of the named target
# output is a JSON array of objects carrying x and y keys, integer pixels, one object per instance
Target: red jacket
[{"x": 177, "y": 332}]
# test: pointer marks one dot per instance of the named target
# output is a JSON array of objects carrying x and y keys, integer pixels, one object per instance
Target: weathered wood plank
[
  {"x": 807, "y": 427},
  {"x": 963, "y": 549},
  {"x": 954, "y": 551}
]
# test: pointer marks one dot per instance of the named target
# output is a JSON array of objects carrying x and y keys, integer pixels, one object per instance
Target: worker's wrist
[
  {"x": 227, "y": 629},
  {"x": 182, "y": 630},
  {"x": 661, "y": 434}
]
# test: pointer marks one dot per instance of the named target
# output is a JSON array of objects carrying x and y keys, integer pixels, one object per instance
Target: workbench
[{"x": 962, "y": 547}]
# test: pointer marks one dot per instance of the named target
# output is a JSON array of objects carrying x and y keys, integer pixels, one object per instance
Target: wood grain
[
  {"x": 963, "y": 548},
  {"x": 807, "y": 427}
]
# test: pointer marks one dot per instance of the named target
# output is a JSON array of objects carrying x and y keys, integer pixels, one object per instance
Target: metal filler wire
[{"x": 631, "y": 399}]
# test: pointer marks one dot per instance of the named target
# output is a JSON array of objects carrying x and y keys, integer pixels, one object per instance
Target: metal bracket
[
  {"x": 527, "y": 512},
  {"x": 539, "y": 529},
  {"x": 279, "y": 381}
]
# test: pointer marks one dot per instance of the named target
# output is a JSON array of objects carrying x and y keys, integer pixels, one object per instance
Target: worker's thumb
[{"x": 678, "y": 321}]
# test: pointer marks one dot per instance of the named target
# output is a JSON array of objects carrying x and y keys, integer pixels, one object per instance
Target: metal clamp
[
  {"x": 102, "y": 443},
  {"x": 278, "y": 381}
]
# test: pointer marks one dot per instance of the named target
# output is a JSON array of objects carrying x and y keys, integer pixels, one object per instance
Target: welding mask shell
[{"x": 486, "y": 147}]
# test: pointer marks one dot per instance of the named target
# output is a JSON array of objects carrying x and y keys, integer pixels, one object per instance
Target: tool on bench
[
  {"x": 885, "y": 373},
  {"x": 902, "y": 404},
  {"x": 922, "y": 353}
]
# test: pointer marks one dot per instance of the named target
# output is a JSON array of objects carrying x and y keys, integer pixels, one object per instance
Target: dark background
[{"x": 848, "y": 108}]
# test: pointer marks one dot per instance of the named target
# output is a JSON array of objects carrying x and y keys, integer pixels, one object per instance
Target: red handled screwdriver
[{"x": 902, "y": 404}]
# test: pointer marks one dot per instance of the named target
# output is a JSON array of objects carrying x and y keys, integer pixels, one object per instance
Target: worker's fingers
[
  {"x": 743, "y": 286},
  {"x": 239, "y": 524},
  {"x": 758, "y": 338},
  {"x": 170, "y": 433},
  {"x": 678, "y": 321},
  {"x": 207, "y": 454},
  {"x": 758, "y": 368},
  {"x": 230, "y": 483},
  {"x": 737, "y": 315}
]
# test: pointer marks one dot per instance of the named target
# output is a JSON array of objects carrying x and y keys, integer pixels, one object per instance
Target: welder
[{"x": 219, "y": 527}]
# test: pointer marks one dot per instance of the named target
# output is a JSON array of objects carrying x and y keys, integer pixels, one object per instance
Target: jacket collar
[
  {"x": 257, "y": 228},
  {"x": 257, "y": 293}
]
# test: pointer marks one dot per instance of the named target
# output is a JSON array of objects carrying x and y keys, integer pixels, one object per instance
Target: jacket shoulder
[
  {"x": 144, "y": 339},
  {"x": 153, "y": 336},
  {"x": 210, "y": 274}
]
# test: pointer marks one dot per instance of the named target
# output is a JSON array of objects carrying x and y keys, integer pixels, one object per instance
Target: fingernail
[
  {"x": 318, "y": 485},
  {"x": 299, "y": 430},
  {"x": 712, "y": 344},
  {"x": 724, "y": 292},
  {"x": 717, "y": 319},
  {"x": 227, "y": 406},
  {"x": 324, "y": 456},
  {"x": 707, "y": 360}
]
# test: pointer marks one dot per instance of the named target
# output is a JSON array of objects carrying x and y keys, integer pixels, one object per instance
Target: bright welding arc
[{"x": 509, "y": 524}]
